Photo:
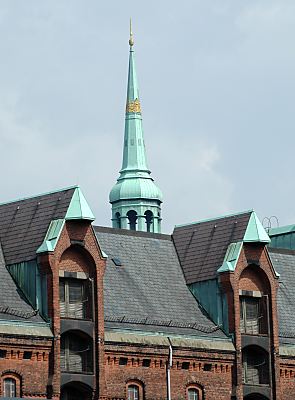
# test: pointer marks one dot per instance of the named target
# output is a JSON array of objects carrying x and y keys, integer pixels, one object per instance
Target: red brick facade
[
  {"x": 118, "y": 365},
  {"x": 31, "y": 375},
  {"x": 188, "y": 370}
]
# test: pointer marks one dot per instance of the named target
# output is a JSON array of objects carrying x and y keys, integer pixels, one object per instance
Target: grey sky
[{"x": 217, "y": 90}]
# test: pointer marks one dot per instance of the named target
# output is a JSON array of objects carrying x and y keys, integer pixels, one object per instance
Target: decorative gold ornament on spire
[
  {"x": 131, "y": 41},
  {"x": 133, "y": 106}
]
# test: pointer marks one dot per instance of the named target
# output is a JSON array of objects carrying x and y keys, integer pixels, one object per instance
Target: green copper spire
[
  {"x": 135, "y": 198},
  {"x": 134, "y": 157}
]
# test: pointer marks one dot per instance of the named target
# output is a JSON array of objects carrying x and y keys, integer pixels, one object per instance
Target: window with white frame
[
  {"x": 193, "y": 394},
  {"x": 133, "y": 392},
  {"x": 9, "y": 385}
]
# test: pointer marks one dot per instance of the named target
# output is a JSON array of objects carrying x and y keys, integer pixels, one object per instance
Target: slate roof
[
  {"x": 24, "y": 223},
  {"x": 201, "y": 246},
  {"x": 13, "y": 305},
  {"x": 284, "y": 263},
  {"x": 148, "y": 291}
]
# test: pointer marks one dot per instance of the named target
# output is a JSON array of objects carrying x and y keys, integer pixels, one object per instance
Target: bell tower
[{"x": 135, "y": 198}]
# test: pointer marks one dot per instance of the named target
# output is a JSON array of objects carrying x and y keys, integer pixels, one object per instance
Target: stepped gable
[
  {"x": 144, "y": 287},
  {"x": 24, "y": 223},
  {"x": 201, "y": 246}
]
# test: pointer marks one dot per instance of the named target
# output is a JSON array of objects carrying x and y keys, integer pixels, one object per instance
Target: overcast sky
[{"x": 217, "y": 91}]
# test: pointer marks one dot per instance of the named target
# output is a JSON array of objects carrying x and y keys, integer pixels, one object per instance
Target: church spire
[
  {"x": 135, "y": 198},
  {"x": 134, "y": 156}
]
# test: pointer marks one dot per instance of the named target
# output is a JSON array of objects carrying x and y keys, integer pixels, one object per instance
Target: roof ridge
[
  {"x": 128, "y": 232},
  {"x": 39, "y": 195},
  {"x": 214, "y": 218},
  {"x": 280, "y": 230},
  {"x": 163, "y": 322}
]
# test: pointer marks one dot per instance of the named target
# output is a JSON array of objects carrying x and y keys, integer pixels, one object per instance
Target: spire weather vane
[{"x": 131, "y": 41}]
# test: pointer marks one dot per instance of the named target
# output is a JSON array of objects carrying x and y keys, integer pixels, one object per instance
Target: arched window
[
  {"x": 133, "y": 392},
  {"x": 255, "y": 366},
  {"x": 193, "y": 394},
  {"x": 149, "y": 219},
  {"x": 75, "y": 298},
  {"x": 9, "y": 387},
  {"x": 254, "y": 290},
  {"x": 255, "y": 396},
  {"x": 76, "y": 391},
  {"x": 132, "y": 217},
  {"x": 76, "y": 353},
  {"x": 118, "y": 220}
]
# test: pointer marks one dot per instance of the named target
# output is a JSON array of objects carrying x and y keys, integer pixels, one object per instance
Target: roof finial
[{"x": 131, "y": 41}]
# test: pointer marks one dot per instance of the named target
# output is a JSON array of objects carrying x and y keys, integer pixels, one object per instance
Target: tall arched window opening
[
  {"x": 255, "y": 366},
  {"x": 76, "y": 391},
  {"x": 194, "y": 392},
  {"x": 255, "y": 396},
  {"x": 132, "y": 218},
  {"x": 75, "y": 298},
  {"x": 133, "y": 392},
  {"x": 149, "y": 219},
  {"x": 9, "y": 385},
  {"x": 76, "y": 353},
  {"x": 118, "y": 220}
]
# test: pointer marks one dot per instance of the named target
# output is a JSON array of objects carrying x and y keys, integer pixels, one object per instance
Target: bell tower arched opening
[
  {"x": 149, "y": 219},
  {"x": 118, "y": 220},
  {"x": 132, "y": 219}
]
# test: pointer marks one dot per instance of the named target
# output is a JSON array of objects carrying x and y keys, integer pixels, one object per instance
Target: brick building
[{"x": 90, "y": 312}]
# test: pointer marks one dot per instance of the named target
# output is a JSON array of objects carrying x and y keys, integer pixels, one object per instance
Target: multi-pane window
[
  {"x": 133, "y": 392},
  {"x": 255, "y": 366},
  {"x": 253, "y": 315},
  {"x": 193, "y": 394},
  {"x": 76, "y": 354},
  {"x": 9, "y": 387},
  {"x": 75, "y": 298}
]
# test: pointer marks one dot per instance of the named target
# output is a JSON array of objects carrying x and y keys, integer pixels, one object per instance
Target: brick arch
[
  {"x": 77, "y": 332},
  {"x": 136, "y": 382},
  {"x": 77, "y": 259},
  {"x": 195, "y": 384},
  {"x": 255, "y": 396},
  {"x": 11, "y": 371},
  {"x": 16, "y": 375},
  {"x": 253, "y": 278},
  {"x": 194, "y": 381},
  {"x": 78, "y": 387}
]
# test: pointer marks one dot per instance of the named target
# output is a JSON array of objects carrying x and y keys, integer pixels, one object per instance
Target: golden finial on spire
[{"x": 131, "y": 41}]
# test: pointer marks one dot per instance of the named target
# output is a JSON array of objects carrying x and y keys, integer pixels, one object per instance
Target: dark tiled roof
[
  {"x": 201, "y": 246},
  {"x": 13, "y": 305},
  {"x": 148, "y": 291},
  {"x": 24, "y": 223},
  {"x": 284, "y": 263}
]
